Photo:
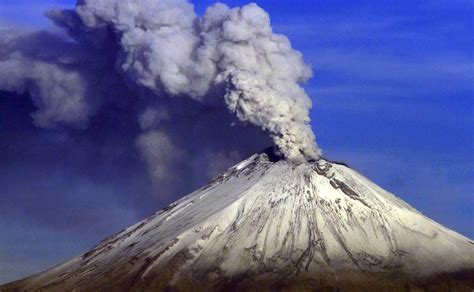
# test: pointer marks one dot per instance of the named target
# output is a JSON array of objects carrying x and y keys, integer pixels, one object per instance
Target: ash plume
[{"x": 215, "y": 87}]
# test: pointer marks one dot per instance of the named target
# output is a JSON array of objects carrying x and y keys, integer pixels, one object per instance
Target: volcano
[{"x": 274, "y": 224}]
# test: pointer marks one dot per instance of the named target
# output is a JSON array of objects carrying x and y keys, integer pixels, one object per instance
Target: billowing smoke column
[{"x": 170, "y": 69}]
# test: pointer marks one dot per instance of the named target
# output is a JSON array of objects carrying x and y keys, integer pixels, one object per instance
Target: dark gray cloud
[{"x": 187, "y": 95}]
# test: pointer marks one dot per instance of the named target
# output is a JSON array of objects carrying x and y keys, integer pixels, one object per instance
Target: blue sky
[{"x": 393, "y": 94}]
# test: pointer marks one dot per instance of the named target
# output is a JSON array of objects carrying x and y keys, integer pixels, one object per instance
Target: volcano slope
[{"x": 272, "y": 224}]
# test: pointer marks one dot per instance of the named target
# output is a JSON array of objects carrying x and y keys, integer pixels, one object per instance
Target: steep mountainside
[{"x": 275, "y": 224}]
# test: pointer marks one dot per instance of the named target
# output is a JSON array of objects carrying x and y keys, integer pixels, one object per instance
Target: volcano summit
[{"x": 274, "y": 224}]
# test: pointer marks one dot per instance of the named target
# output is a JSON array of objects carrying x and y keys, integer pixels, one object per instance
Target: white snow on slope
[{"x": 277, "y": 217}]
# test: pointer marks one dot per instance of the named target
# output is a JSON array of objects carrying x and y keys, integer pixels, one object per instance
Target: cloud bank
[{"x": 200, "y": 92}]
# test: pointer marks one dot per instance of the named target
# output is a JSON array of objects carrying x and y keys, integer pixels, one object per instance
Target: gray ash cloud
[{"x": 199, "y": 93}]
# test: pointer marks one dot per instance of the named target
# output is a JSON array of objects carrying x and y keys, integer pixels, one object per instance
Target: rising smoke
[{"x": 204, "y": 91}]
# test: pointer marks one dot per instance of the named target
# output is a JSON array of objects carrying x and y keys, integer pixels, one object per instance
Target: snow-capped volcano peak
[{"x": 273, "y": 223}]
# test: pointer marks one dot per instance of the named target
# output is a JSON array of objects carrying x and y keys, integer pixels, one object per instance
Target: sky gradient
[{"x": 392, "y": 91}]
